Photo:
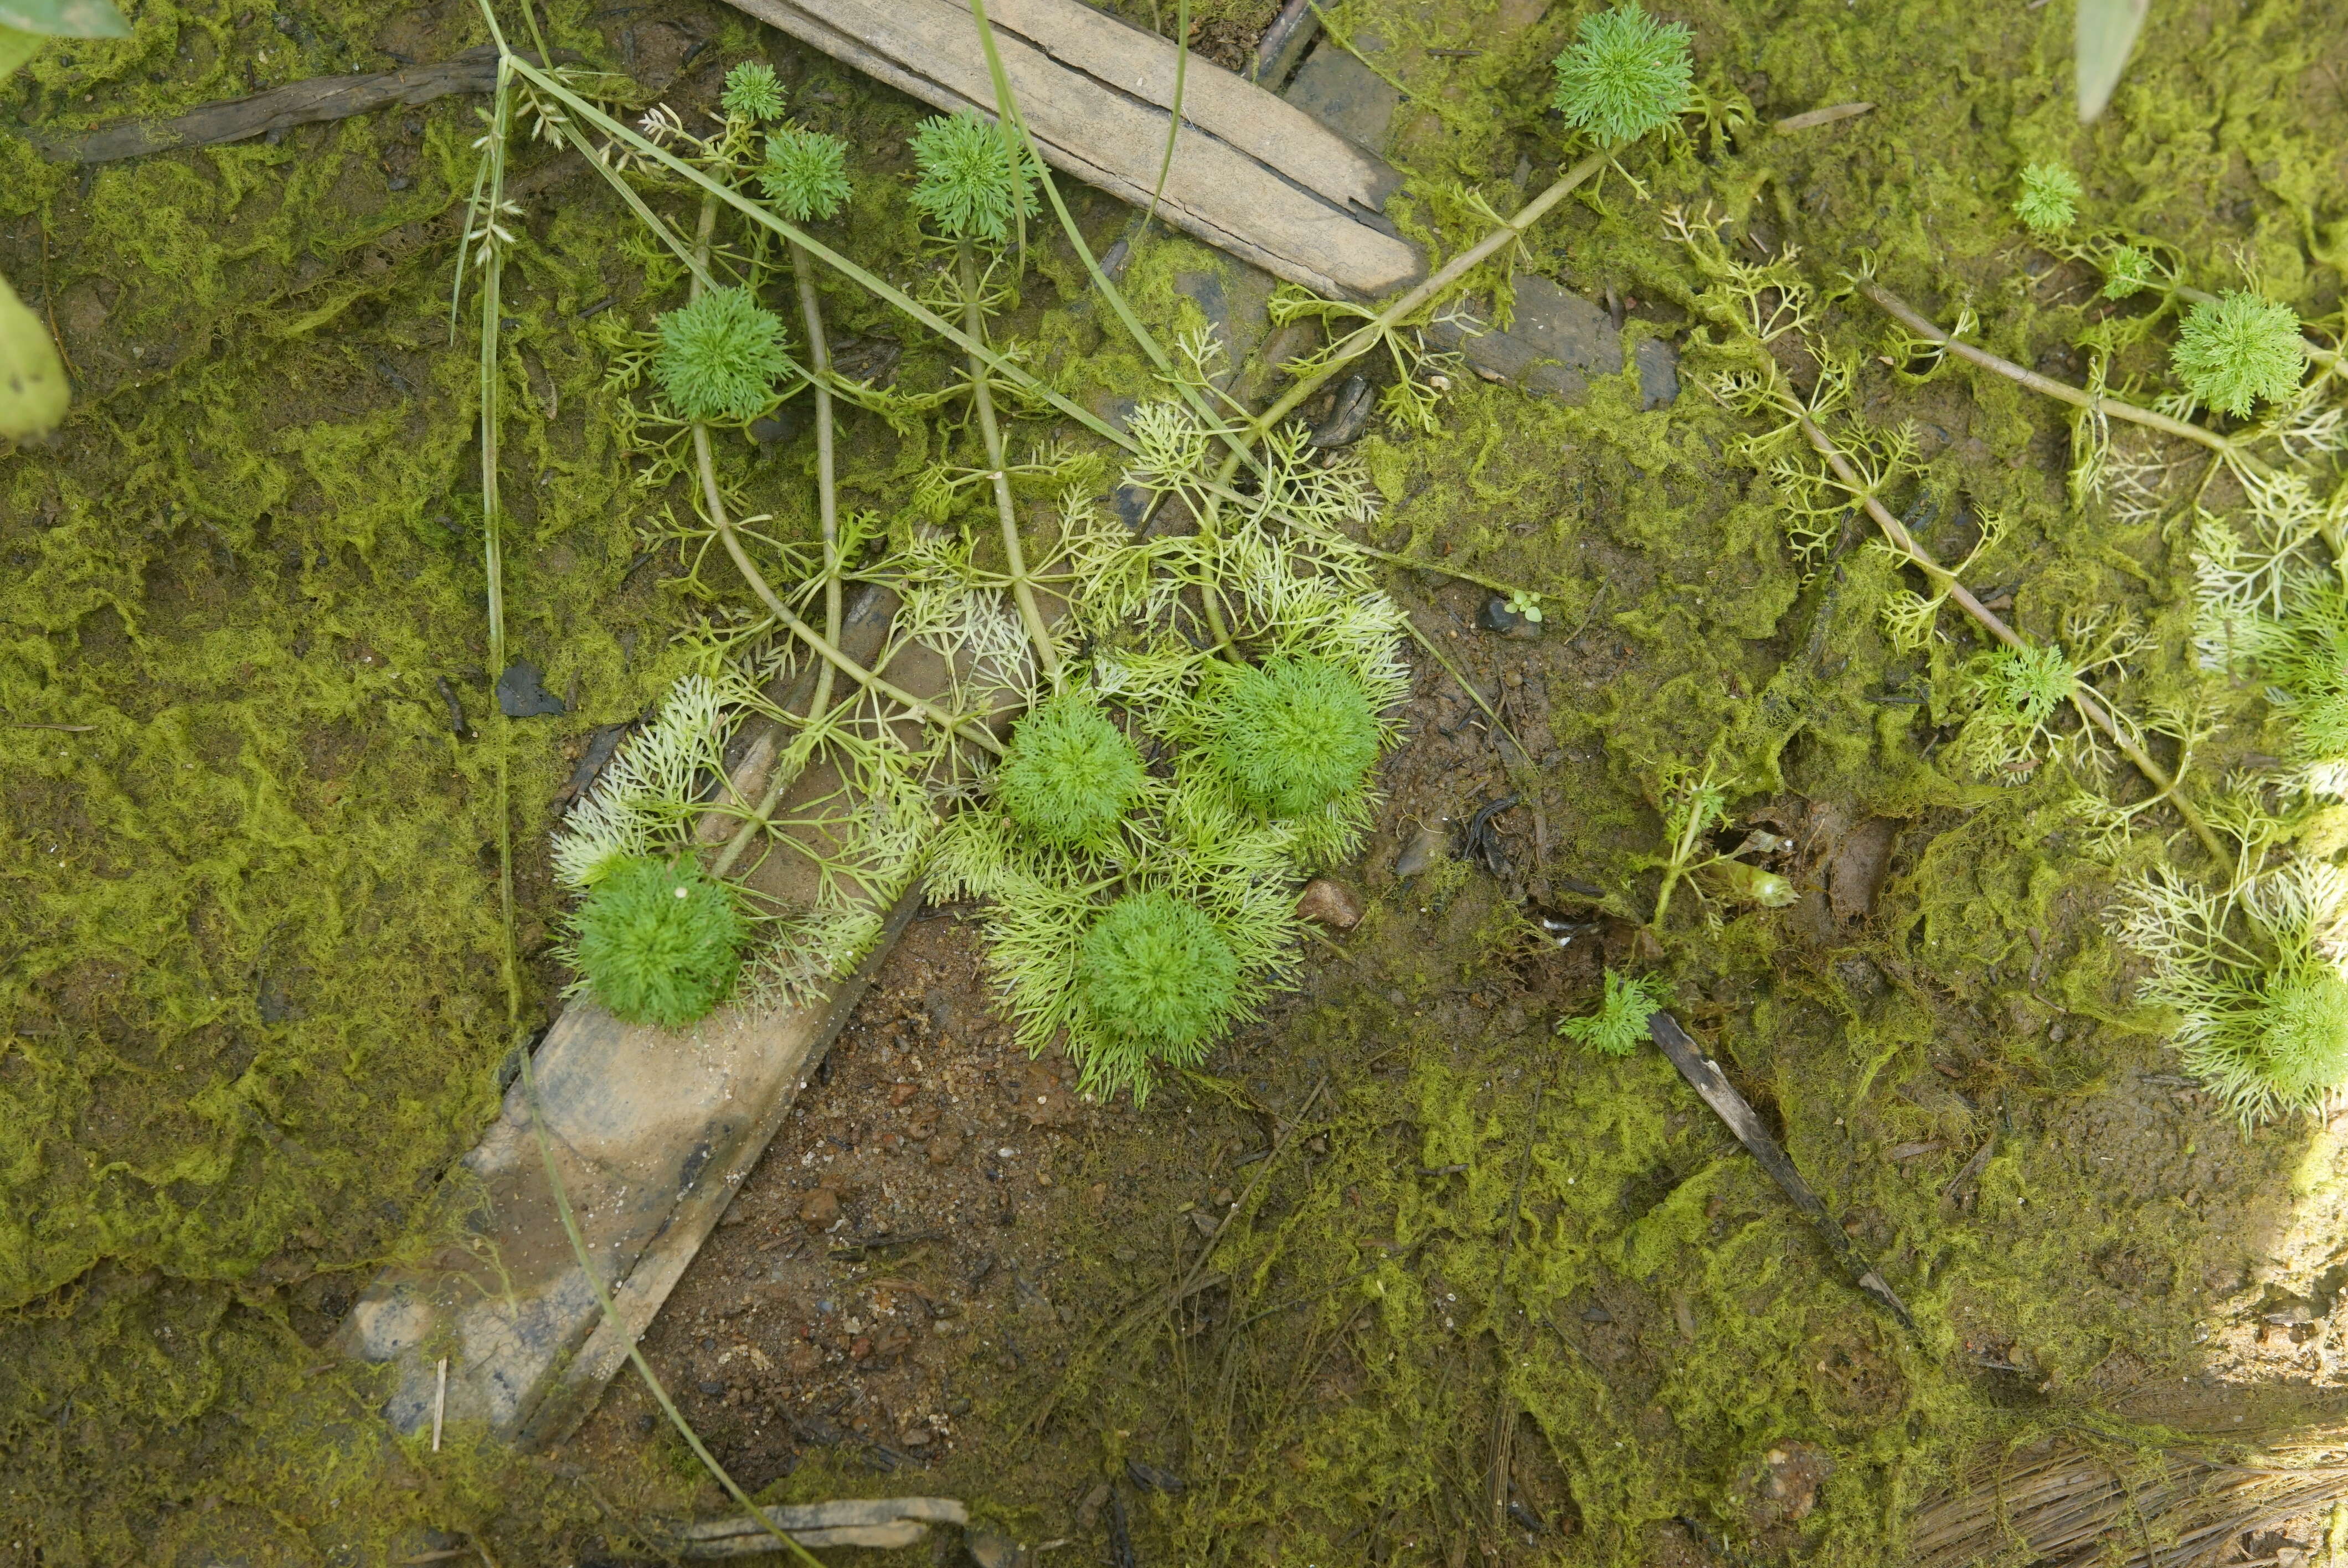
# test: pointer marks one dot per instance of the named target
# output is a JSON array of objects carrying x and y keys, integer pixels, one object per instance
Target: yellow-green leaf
[
  {"x": 33, "y": 391},
  {"x": 65, "y": 18},
  {"x": 16, "y": 47}
]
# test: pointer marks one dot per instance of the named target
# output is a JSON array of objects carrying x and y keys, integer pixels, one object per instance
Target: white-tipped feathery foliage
[{"x": 2255, "y": 978}]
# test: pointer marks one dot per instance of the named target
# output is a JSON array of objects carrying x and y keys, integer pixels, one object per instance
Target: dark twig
[
  {"x": 281, "y": 109},
  {"x": 1703, "y": 1075}
]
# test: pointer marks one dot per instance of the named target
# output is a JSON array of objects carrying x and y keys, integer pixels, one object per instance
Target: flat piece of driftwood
[
  {"x": 1252, "y": 175},
  {"x": 280, "y": 108},
  {"x": 1703, "y": 1076},
  {"x": 877, "y": 1523},
  {"x": 654, "y": 1131}
]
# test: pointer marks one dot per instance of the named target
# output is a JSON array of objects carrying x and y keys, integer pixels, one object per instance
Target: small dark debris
[
  {"x": 1479, "y": 842},
  {"x": 1349, "y": 417},
  {"x": 1156, "y": 1479},
  {"x": 1120, "y": 1539},
  {"x": 711, "y": 1387},
  {"x": 1525, "y": 1519},
  {"x": 456, "y": 725},
  {"x": 872, "y": 360},
  {"x": 522, "y": 693},
  {"x": 1495, "y": 616},
  {"x": 599, "y": 307},
  {"x": 783, "y": 425},
  {"x": 645, "y": 1422},
  {"x": 601, "y": 745},
  {"x": 1576, "y": 885},
  {"x": 1596, "y": 1314}
]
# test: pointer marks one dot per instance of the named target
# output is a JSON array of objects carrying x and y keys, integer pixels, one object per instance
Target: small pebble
[
  {"x": 1330, "y": 903},
  {"x": 1426, "y": 846}
]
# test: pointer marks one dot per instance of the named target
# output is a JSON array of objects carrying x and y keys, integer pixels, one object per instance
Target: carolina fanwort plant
[
  {"x": 1618, "y": 1027},
  {"x": 1624, "y": 75},
  {"x": 720, "y": 356},
  {"x": 805, "y": 174},
  {"x": 1069, "y": 774},
  {"x": 2238, "y": 351},
  {"x": 658, "y": 941},
  {"x": 976, "y": 182},
  {"x": 1153, "y": 970},
  {"x": 2255, "y": 977},
  {"x": 2049, "y": 201},
  {"x": 1291, "y": 735}
]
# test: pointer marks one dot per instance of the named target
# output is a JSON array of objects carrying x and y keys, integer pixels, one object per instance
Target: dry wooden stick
[{"x": 1703, "y": 1075}]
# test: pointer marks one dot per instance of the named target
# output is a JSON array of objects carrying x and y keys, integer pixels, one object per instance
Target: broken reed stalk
[
  {"x": 2066, "y": 1507},
  {"x": 1504, "y": 1407},
  {"x": 1712, "y": 1085},
  {"x": 1923, "y": 326},
  {"x": 981, "y": 397},
  {"x": 489, "y": 198},
  {"x": 2089, "y": 707}
]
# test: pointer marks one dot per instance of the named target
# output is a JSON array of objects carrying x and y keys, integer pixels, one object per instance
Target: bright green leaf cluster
[
  {"x": 1069, "y": 774},
  {"x": 975, "y": 181},
  {"x": 752, "y": 93},
  {"x": 1625, "y": 75},
  {"x": 2049, "y": 201},
  {"x": 2240, "y": 350},
  {"x": 805, "y": 174},
  {"x": 1153, "y": 969},
  {"x": 2254, "y": 975},
  {"x": 659, "y": 943},
  {"x": 718, "y": 357},
  {"x": 1293, "y": 735},
  {"x": 2032, "y": 683},
  {"x": 1618, "y": 1027},
  {"x": 2128, "y": 270}
]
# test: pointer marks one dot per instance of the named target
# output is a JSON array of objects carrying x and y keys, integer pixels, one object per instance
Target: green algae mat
[{"x": 1936, "y": 705}]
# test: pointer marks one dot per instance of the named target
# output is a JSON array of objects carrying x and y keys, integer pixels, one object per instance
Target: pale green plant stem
[
  {"x": 828, "y": 510},
  {"x": 1174, "y": 114},
  {"x": 1923, "y": 326},
  {"x": 1676, "y": 867},
  {"x": 636, "y": 1357},
  {"x": 723, "y": 521},
  {"x": 967, "y": 728},
  {"x": 492, "y": 532},
  {"x": 982, "y": 398},
  {"x": 1374, "y": 331},
  {"x": 2089, "y": 707},
  {"x": 1007, "y": 108}
]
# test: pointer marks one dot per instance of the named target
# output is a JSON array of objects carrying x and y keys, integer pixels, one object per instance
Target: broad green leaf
[
  {"x": 16, "y": 47},
  {"x": 65, "y": 18},
  {"x": 33, "y": 391},
  {"x": 2107, "y": 30}
]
